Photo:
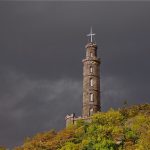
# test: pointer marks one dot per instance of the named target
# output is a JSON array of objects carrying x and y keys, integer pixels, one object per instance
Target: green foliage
[
  {"x": 123, "y": 129},
  {"x": 69, "y": 146},
  {"x": 2, "y": 148},
  {"x": 144, "y": 141},
  {"x": 110, "y": 118},
  {"x": 131, "y": 135}
]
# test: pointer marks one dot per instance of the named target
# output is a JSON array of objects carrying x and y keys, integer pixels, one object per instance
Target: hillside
[{"x": 123, "y": 129}]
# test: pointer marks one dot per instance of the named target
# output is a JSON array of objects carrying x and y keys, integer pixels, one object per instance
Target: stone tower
[
  {"x": 91, "y": 79},
  {"x": 91, "y": 84}
]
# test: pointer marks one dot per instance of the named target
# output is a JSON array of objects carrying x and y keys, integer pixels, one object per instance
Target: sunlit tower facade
[
  {"x": 91, "y": 79},
  {"x": 91, "y": 84}
]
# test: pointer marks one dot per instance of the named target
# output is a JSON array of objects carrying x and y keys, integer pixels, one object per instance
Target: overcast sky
[{"x": 42, "y": 45}]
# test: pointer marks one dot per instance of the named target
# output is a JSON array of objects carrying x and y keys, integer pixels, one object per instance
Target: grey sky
[{"x": 41, "y": 52}]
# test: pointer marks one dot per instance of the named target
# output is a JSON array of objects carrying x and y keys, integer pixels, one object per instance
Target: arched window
[
  {"x": 91, "y": 54},
  {"x": 91, "y": 111},
  {"x": 91, "y": 97},
  {"x": 91, "y": 69},
  {"x": 91, "y": 82}
]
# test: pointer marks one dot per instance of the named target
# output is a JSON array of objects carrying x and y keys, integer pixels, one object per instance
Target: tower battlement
[{"x": 91, "y": 44}]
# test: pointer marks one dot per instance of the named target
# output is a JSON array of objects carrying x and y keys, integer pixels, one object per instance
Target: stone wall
[{"x": 72, "y": 119}]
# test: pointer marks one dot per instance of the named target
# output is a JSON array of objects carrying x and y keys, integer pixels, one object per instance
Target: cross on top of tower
[{"x": 91, "y": 34}]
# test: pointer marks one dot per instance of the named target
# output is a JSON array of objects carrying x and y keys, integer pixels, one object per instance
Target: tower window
[
  {"x": 91, "y": 82},
  {"x": 91, "y": 97},
  {"x": 91, "y": 69},
  {"x": 91, "y": 111},
  {"x": 91, "y": 54}
]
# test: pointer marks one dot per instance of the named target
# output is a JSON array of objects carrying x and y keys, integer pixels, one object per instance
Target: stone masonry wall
[{"x": 91, "y": 66}]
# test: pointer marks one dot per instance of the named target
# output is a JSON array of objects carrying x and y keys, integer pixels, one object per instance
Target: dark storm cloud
[
  {"x": 41, "y": 49},
  {"x": 27, "y": 104}
]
